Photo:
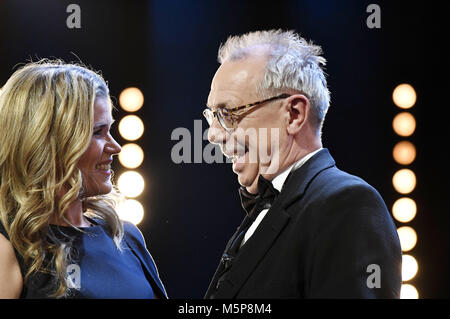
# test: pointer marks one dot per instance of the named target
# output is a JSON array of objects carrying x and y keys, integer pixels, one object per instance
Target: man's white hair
[{"x": 293, "y": 64}]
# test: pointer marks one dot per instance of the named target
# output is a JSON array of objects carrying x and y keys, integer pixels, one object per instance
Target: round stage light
[
  {"x": 404, "y": 152},
  {"x": 404, "y": 96},
  {"x": 404, "y": 209},
  {"x": 404, "y": 181},
  {"x": 131, "y": 210},
  {"x": 131, "y": 99},
  {"x": 131, "y": 155},
  {"x": 409, "y": 267},
  {"x": 404, "y": 124},
  {"x": 131, "y": 183},
  {"x": 131, "y": 127},
  {"x": 408, "y": 237},
  {"x": 408, "y": 292}
]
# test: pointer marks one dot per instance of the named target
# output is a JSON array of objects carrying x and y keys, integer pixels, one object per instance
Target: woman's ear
[{"x": 298, "y": 109}]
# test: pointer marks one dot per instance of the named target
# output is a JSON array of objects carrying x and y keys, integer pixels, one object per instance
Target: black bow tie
[{"x": 253, "y": 204}]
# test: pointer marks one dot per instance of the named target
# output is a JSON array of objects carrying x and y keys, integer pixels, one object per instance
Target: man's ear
[{"x": 298, "y": 109}]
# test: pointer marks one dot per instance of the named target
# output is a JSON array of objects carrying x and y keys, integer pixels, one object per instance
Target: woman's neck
[{"x": 73, "y": 215}]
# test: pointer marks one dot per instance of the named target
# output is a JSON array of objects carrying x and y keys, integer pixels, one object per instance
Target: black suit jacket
[{"x": 320, "y": 239}]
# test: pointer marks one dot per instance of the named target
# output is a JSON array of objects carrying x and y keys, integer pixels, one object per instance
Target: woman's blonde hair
[{"x": 46, "y": 124}]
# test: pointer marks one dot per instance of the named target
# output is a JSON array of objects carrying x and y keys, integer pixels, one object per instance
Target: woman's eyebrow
[{"x": 102, "y": 124}]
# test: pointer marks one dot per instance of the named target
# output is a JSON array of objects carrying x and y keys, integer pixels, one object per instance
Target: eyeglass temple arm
[{"x": 281, "y": 96}]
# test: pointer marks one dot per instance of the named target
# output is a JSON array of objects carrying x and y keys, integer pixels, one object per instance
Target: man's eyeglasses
[{"x": 228, "y": 117}]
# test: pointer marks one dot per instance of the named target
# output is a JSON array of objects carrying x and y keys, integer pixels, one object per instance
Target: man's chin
[{"x": 247, "y": 178}]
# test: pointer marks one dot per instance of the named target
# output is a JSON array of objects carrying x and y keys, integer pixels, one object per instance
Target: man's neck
[
  {"x": 289, "y": 160},
  {"x": 292, "y": 157}
]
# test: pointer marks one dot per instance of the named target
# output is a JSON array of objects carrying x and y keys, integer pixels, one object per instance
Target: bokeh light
[
  {"x": 131, "y": 155},
  {"x": 409, "y": 267},
  {"x": 404, "y": 152},
  {"x": 404, "y": 181},
  {"x": 131, "y": 99},
  {"x": 404, "y": 96},
  {"x": 404, "y": 209},
  {"x": 404, "y": 124},
  {"x": 131, "y": 210},
  {"x": 131, "y": 127},
  {"x": 131, "y": 183},
  {"x": 408, "y": 291},
  {"x": 408, "y": 237}
]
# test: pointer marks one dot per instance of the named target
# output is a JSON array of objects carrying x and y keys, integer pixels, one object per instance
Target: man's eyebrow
[{"x": 217, "y": 106}]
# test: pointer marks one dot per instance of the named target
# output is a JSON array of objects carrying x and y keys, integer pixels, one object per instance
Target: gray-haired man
[{"x": 311, "y": 230}]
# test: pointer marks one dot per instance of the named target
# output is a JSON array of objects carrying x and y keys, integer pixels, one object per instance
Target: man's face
[{"x": 252, "y": 143}]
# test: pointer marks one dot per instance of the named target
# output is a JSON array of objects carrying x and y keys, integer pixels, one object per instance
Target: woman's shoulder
[
  {"x": 10, "y": 269},
  {"x": 132, "y": 231},
  {"x": 7, "y": 251}
]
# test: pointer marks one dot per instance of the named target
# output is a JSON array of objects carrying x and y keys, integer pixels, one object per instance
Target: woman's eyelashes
[{"x": 102, "y": 130}]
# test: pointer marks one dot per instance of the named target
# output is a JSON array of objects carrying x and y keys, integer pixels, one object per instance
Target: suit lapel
[
  {"x": 271, "y": 226},
  {"x": 299, "y": 180},
  {"x": 220, "y": 268},
  {"x": 150, "y": 272},
  {"x": 252, "y": 252}
]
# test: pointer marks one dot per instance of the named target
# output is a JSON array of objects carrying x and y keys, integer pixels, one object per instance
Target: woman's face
[{"x": 95, "y": 163}]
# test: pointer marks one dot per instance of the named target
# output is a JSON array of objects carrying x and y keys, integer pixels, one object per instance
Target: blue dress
[{"x": 98, "y": 269}]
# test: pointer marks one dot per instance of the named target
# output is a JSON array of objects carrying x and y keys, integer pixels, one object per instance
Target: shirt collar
[{"x": 279, "y": 180}]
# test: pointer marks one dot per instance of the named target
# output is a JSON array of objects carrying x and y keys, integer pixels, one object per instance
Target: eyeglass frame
[{"x": 233, "y": 111}]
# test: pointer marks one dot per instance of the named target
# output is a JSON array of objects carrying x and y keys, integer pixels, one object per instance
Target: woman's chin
[{"x": 102, "y": 190}]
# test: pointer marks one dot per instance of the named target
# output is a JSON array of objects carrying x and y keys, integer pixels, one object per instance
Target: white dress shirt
[{"x": 277, "y": 182}]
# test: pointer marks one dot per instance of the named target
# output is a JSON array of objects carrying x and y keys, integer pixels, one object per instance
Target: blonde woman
[{"x": 60, "y": 236}]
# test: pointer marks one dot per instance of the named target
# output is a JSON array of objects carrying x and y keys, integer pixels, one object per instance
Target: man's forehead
[{"x": 236, "y": 80}]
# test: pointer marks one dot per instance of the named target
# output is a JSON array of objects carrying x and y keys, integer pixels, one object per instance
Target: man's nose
[{"x": 216, "y": 133}]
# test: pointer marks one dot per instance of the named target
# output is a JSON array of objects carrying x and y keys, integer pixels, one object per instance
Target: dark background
[{"x": 169, "y": 50}]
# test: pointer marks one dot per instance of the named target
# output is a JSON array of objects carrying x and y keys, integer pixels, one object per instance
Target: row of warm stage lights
[
  {"x": 131, "y": 183},
  {"x": 404, "y": 209}
]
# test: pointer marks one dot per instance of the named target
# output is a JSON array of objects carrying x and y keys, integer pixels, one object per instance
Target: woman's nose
[{"x": 113, "y": 147}]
